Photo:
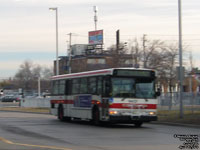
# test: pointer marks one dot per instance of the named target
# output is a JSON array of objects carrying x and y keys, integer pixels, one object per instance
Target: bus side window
[
  {"x": 61, "y": 87},
  {"x": 83, "y": 86},
  {"x": 55, "y": 87},
  {"x": 75, "y": 86},
  {"x": 99, "y": 85},
  {"x": 92, "y": 85},
  {"x": 68, "y": 86}
]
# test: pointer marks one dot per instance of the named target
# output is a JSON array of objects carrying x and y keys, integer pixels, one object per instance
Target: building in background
[{"x": 80, "y": 63}]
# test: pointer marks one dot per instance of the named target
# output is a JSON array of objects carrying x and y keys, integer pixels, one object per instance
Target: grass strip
[
  {"x": 172, "y": 116},
  {"x": 25, "y": 109}
]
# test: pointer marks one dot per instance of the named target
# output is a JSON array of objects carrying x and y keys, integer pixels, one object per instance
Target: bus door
[
  {"x": 105, "y": 107},
  {"x": 106, "y": 88}
]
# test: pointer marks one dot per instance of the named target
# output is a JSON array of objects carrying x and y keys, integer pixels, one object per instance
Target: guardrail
[{"x": 36, "y": 102}]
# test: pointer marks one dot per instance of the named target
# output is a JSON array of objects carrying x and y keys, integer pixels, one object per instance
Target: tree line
[{"x": 27, "y": 76}]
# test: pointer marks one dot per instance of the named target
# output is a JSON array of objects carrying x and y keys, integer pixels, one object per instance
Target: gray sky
[{"x": 28, "y": 27}]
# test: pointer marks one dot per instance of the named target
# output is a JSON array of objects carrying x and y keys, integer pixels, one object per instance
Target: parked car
[{"x": 10, "y": 98}]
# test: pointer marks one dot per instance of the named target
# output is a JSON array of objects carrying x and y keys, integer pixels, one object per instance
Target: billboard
[{"x": 96, "y": 37}]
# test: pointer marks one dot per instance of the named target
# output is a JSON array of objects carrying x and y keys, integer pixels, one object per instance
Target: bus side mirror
[{"x": 158, "y": 93}]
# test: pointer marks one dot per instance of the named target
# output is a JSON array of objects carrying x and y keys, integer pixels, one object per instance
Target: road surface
[{"x": 26, "y": 131}]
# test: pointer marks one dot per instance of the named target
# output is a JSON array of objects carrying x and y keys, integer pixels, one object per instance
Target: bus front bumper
[{"x": 132, "y": 119}]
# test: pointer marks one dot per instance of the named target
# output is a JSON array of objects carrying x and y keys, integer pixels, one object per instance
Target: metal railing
[{"x": 170, "y": 101}]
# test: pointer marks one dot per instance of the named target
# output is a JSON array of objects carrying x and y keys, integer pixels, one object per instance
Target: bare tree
[
  {"x": 47, "y": 73},
  {"x": 117, "y": 55},
  {"x": 159, "y": 56},
  {"x": 24, "y": 75},
  {"x": 28, "y": 74},
  {"x": 151, "y": 56},
  {"x": 135, "y": 52}
]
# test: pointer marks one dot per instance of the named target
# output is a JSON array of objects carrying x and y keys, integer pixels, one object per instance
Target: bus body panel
[
  {"x": 125, "y": 108},
  {"x": 70, "y": 110}
]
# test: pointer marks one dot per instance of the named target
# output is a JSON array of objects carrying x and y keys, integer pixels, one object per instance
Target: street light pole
[
  {"x": 39, "y": 88},
  {"x": 70, "y": 53},
  {"x": 57, "y": 62},
  {"x": 180, "y": 59}
]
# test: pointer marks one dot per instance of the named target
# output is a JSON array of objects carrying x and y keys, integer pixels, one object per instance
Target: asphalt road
[{"x": 25, "y": 131}]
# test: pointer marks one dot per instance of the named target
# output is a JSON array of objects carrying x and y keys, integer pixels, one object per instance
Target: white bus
[{"x": 116, "y": 95}]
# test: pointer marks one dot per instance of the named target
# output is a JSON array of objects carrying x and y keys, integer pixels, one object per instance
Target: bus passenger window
[
  {"x": 99, "y": 86},
  {"x": 62, "y": 87},
  {"x": 92, "y": 85},
  {"x": 68, "y": 87},
  {"x": 75, "y": 86},
  {"x": 55, "y": 87},
  {"x": 83, "y": 86}
]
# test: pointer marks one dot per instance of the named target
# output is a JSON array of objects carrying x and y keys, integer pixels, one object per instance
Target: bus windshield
[{"x": 133, "y": 88}]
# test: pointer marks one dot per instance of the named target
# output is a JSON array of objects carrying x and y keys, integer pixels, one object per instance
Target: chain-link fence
[{"x": 170, "y": 101}]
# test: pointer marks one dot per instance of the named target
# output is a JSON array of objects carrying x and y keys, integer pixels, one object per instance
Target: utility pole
[
  {"x": 39, "y": 88},
  {"x": 117, "y": 41},
  {"x": 191, "y": 80},
  {"x": 69, "y": 53},
  {"x": 116, "y": 57},
  {"x": 136, "y": 58},
  {"x": 144, "y": 50},
  {"x": 180, "y": 58}
]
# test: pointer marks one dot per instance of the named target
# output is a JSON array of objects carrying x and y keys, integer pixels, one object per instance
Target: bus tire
[
  {"x": 138, "y": 124},
  {"x": 61, "y": 113},
  {"x": 95, "y": 116}
]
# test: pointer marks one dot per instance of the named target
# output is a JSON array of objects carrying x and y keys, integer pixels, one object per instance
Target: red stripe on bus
[
  {"x": 133, "y": 106},
  {"x": 72, "y": 102}
]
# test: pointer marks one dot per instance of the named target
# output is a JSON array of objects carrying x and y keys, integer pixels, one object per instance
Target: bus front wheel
[{"x": 138, "y": 124}]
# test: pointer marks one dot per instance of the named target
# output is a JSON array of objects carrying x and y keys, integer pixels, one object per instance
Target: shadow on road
[{"x": 102, "y": 125}]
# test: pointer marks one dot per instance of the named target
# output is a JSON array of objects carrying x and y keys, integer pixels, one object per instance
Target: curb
[{"x": 177, "y": 124}]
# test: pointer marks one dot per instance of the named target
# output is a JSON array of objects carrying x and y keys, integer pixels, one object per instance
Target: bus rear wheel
[{"x": 61, "y": 114}]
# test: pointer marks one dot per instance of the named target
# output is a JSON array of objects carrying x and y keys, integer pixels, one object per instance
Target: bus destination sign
[{"x": 134, "y": 73}]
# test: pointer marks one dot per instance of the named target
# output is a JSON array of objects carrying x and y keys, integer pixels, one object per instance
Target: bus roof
[{"x": 92, "y": 73}]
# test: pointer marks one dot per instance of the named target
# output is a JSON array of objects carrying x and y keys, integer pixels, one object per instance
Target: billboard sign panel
[
  {"x": 83, "y": 101},
  {"x": 96, "y": 37}
]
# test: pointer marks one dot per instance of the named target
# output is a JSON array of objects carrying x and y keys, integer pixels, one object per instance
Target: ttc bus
[{"x": 116, "y": 95}]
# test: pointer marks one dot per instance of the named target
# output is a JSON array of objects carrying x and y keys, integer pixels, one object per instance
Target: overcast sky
[{"x": 28, "y": 27}]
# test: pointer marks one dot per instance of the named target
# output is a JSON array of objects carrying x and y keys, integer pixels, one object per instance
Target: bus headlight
[
  {"x": 113, "y": 112},
  {"x": 152, "y": 113}
]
